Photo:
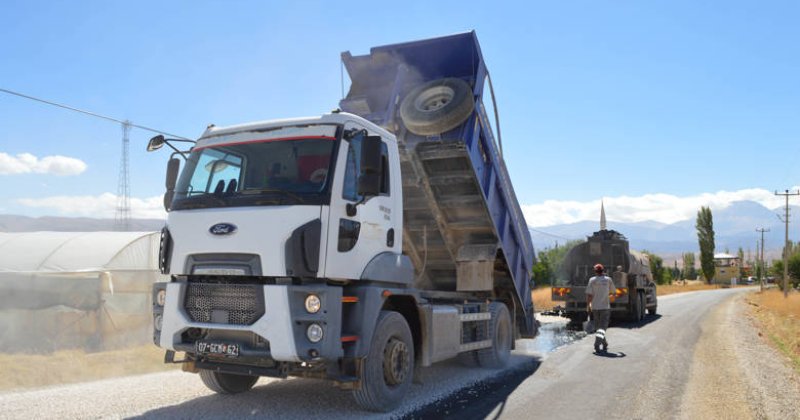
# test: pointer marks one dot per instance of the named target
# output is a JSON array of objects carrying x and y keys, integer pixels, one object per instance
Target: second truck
[
  {"x": 635, "y": 289},
  {"x": 354, "y": 246}
]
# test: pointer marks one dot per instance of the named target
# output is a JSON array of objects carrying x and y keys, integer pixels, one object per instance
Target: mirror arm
[
  {"x": 168, "y": 142},
  {"x": 175, "y": 149}
]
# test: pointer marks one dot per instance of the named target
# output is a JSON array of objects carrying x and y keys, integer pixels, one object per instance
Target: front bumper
[{"x": 279, "y": 334}]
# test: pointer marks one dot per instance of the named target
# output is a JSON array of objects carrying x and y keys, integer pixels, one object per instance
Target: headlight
[
  {"x": 313, "y": 304},
  {"x": 161, "y": 297},
  {"x": 314, "y": 333},
  {"x": 157, "y": 321}
]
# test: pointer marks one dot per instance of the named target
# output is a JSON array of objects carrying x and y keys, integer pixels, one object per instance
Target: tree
[
  {"x": 705, "y": 238},
  {"x": 794, "y": 269},
  {"x": 740, "y": 254},
  {"x": 689, "y": 272},
  {"x": 660, "y": 274},
  {"x": 547, "y": 268},
  {"x": 542, "y": 270}
]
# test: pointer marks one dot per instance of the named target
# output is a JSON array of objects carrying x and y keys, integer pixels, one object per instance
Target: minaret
[{"x": 602, "y": 216}]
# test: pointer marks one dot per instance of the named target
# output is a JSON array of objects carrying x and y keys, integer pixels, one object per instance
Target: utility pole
[
  {"x": 122, "y": 217},
  {"x": 786, "y": 243},
  {"x": 761, "y": 271}
]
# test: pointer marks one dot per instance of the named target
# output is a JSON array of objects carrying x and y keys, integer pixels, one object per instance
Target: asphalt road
[{"x": 643, "y": 376}]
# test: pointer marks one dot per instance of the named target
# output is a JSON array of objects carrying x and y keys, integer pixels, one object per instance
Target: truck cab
[{"x": 295, "y": 180}]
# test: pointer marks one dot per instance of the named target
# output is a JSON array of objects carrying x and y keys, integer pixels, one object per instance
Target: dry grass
[
  {"x": 779, "y": 319},
  {"x": 69, "y": 366},
  {"x": 542, "y": 299},
  {"x": 691, "y": 286}
]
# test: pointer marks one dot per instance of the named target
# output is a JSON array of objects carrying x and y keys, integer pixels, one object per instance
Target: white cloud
[
  {"x": 665, "y": 208},
  {"x": 25, "y": 163},
  {"x": 100, "y": 206}
]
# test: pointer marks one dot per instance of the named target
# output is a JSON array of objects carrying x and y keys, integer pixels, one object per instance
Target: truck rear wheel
[
  {"x": 227, "y": 383},
  {"x": 437, "y": 106},
  {"x": 501, "y": 336},
  {"x": 389, "y": 366},
  {"x": 577, "y": 318},
  {"x": 652, "y": 310},
  {"x": 642, "y": 305},
  {"x": 635, "y": 311}
]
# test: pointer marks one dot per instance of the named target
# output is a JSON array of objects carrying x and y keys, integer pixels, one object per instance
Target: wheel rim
[
  {"x": 434, "y": 98},
  {"x": 396, "y": 362}
]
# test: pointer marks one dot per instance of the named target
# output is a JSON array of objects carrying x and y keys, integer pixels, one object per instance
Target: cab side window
[{"x": 353, "y": 169}]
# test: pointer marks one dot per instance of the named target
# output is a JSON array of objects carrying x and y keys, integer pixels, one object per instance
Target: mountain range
[{"x": 734, "y": 227}]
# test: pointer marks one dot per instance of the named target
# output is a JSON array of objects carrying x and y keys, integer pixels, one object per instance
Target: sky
[{"x": 654, "y": 107}]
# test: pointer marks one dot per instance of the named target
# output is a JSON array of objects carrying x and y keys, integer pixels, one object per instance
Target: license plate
[{"x": 219, "y": 349}]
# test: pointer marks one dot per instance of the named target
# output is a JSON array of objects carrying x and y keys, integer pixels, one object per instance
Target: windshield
[{"x": 278, "y": 171}]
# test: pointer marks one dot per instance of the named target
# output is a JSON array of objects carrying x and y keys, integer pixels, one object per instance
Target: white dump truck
[{"x": 355, "y": 246}]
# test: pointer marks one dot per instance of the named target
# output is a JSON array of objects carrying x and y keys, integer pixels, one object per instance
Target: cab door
[{"x": 359, "y": 229}]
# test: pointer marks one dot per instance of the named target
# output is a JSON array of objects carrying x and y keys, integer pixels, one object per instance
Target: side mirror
[
  {"x": 155, "y": 143},
  {"x": 173, "y": 166},
  {"x": 369, "y": 180}
]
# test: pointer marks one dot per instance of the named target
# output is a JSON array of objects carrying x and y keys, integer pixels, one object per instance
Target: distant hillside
[
  {"x": 734, "y": 227},
  {"x": 14, "y": 223}
]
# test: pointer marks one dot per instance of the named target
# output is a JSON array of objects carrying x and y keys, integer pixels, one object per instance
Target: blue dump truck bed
[{"x": 463, "y": 227}]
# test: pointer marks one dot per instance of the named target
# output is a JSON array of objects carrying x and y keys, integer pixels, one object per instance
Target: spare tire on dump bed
[{"x": 437, "y": 106}]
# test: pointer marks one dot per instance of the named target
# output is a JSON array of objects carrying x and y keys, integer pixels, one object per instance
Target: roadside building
[{"x": 727, "y": 268}]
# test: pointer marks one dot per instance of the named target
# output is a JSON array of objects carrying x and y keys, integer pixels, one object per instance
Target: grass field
[
  {"x": 778, "y": 319},
  {"x": 69, "y": 366}
]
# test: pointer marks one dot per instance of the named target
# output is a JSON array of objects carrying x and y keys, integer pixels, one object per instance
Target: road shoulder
[{"x": 735, "y": 374}]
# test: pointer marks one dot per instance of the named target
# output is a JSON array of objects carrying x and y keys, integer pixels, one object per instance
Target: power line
[
  {"x": 122, "y": 216},
  {"x": 549, "y": 234},
  {"x": 93, "y": 114}
]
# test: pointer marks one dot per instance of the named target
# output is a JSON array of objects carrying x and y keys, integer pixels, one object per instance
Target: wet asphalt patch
[{"x": 479, "y": 400}]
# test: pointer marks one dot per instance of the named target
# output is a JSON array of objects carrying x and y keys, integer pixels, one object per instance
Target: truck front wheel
[
  {"x": 227, "y": 383},
  {"x": 389, "y": 366},
  {"x": 501, "y": 336}
]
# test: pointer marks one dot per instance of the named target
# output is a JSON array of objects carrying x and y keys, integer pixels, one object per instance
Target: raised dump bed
[{"x": 464, "y": 229}]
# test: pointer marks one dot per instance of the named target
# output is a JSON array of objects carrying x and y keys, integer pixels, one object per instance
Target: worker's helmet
[{"x": 598, "y": 268}]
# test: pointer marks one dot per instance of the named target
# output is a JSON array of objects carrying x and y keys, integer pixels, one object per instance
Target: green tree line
[
  {"x": 793, "y": 266},
  {"x": 549, "y": 262}
]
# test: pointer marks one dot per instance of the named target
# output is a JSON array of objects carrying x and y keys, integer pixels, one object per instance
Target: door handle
[{"x": 390, "y": 238}]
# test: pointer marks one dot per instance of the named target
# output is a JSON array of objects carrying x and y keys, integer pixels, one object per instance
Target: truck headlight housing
[
  {"x": 314, "y": 333},
  {"x": 157, "y": 322},
  {"x": 313, "y": 304}
]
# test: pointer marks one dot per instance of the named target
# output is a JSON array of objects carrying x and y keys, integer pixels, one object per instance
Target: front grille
[{"x": 233, "y": 304}]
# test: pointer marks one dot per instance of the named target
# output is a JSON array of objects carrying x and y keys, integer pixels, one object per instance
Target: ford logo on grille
[{"x": 222, "y": 229}]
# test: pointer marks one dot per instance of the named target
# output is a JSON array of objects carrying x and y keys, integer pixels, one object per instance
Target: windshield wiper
[{"x": 273, "y": 190}]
